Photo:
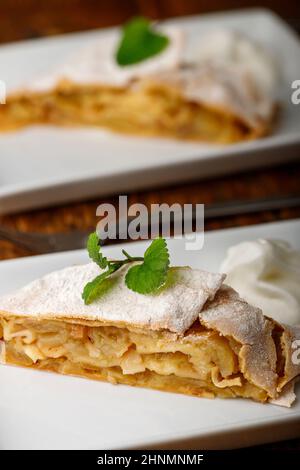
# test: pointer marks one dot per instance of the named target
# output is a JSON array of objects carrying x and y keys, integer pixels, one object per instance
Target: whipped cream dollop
[{"x": 266, "y": 273}]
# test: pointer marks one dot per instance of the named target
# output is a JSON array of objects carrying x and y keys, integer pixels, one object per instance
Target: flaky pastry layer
[{"x": 200, "y": 362}]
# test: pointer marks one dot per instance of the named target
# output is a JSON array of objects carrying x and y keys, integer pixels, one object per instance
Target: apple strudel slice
[
  {"x": 221, "y": 97},
  {"x": 194, "y": 336}
]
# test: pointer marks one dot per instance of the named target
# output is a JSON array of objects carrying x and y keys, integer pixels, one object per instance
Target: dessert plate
[
  {"x": 45, "y": 165},
  {"x": 41, "y": 410}
]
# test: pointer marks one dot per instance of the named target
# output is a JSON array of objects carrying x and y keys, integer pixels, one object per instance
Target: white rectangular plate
[
  {"x": 46, "y": 165},
  {"x": 42, "y": 410}
]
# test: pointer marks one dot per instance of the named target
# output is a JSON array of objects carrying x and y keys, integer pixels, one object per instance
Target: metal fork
[
  {"x": 45, "y": 243},
  {"x": 50, "y": 243}
]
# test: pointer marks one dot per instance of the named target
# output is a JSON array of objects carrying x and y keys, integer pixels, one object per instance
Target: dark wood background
[{"x": 23, "y": 19}]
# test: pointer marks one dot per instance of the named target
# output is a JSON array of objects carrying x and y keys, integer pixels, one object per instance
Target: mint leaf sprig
[
  {"x": 144, "y": 278},
  {"x": 139, "y": 42}
]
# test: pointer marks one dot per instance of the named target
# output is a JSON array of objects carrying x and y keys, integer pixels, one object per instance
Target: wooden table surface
[{"x": 25, "y": 19}]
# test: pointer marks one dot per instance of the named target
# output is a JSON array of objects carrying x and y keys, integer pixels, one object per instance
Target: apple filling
[
  {"x": 200, "y": 363},
  {"x": 149, "y": 110}
]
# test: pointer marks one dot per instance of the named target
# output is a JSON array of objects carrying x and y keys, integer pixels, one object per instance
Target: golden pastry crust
[
  {"x": 290, "y": 368},
  {"x": 233, "y": 317}
]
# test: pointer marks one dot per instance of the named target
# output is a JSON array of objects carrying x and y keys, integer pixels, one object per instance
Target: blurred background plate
[{"x": 45, "y": 165}]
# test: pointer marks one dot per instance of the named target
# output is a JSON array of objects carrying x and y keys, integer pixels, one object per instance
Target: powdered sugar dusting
[{"x": 175, "y": 307}]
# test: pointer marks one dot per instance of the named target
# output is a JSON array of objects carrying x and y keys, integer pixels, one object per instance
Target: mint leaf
[
  {"x": 139, "y": 42},
  {"x": 95, "y": 254},
  {"x": 143, "y": 278},
  {"x": 94, "y": 289},
  {"x": 152, "y": 273}
]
